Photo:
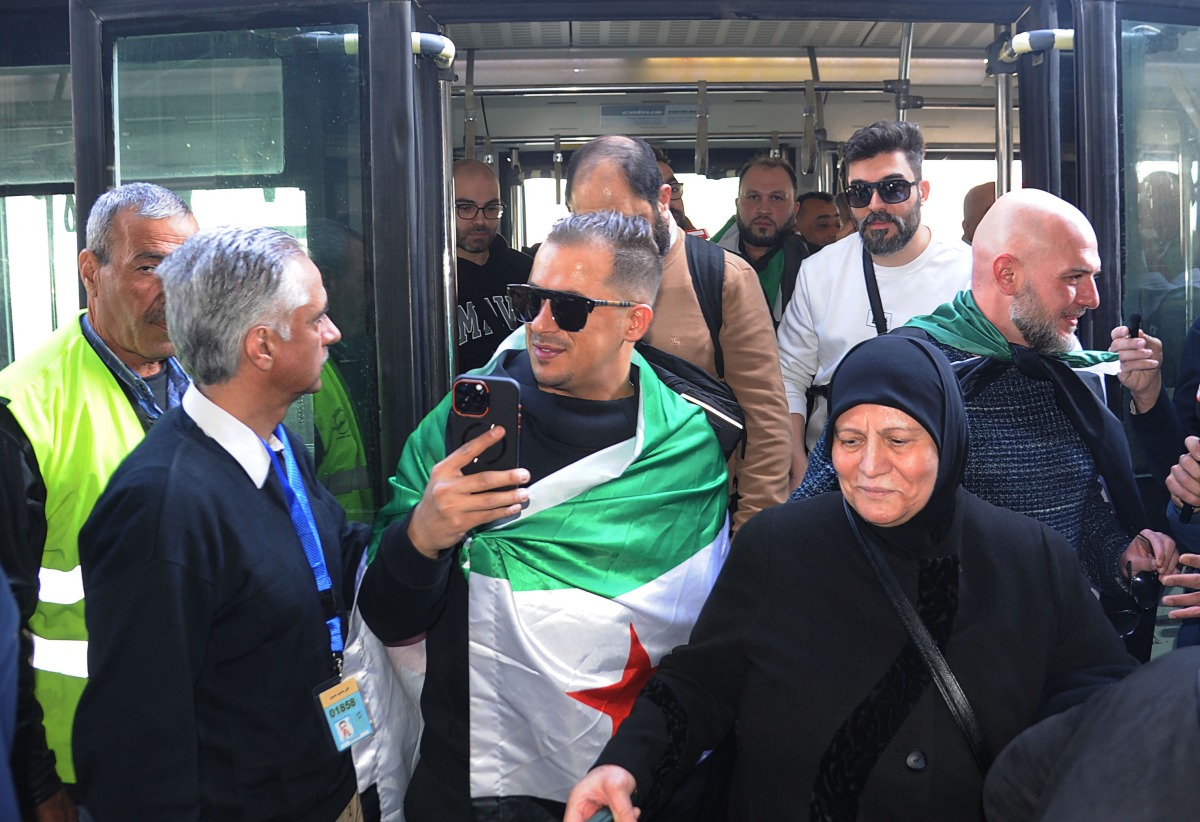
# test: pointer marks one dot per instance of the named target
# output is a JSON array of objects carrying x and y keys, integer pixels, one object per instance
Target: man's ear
[
  {"x": 89, "y": 269},
  {"x": 664, "y": 199},
  {"x": 640, "y": 317},
  {"x": 923, "y": 187},
  {"x": 258, "y": 347},
  {"x": 1004, "y": 274}
]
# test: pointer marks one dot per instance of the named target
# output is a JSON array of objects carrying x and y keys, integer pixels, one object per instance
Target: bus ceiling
[
  {"x": 732, "y": 83},
  {"x": 469, "y": 11}
]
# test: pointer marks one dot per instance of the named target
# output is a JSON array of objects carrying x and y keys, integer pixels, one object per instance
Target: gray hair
[
  {"x": 151, "y": 201},
  {"x": 637, "y": 266},
  {"x": 222, "y": 283}
]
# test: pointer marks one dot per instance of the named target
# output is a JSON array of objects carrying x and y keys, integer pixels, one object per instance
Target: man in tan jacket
[{"x": 621, "y": 174}]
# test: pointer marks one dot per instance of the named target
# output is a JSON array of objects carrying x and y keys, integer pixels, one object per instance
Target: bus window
[
  {"x": 949, "y": 181},
  {"x": 1162, "y": 172},
  {"x": 35, "y": 121},
  {"x": 541, "y": 210},
  {"x": 39, "y": 286},
  {"x": 39, "y": 281},
  {"x": 262, "y": 127},
  {"x": 217, "y": 111},
  {"x": 281, "y": 208},
  {"x": 708, "y": 203}
]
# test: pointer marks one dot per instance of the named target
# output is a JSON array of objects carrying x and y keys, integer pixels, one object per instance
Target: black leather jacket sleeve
[{"x": 22, "y": 540}]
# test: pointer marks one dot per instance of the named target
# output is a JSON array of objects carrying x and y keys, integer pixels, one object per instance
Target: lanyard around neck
[{"x": 310, "y": 539}]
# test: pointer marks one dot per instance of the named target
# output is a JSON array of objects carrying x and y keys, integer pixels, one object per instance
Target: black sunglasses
[
  {"x": 858, "y": 195},
  {"x": 570, "y": 311},
  {"x": 1145, "y": 590}
]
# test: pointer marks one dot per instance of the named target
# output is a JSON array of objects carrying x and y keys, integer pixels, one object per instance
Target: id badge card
[{"x": 345, "y": 713}]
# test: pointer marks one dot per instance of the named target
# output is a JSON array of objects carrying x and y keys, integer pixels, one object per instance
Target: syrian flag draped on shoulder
[{"x": 573, "y": 604}]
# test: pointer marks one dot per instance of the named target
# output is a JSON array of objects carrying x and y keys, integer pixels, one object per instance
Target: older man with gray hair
[
  {"x": 215, "y": 555},
  {"x": 70, "y": 410}
]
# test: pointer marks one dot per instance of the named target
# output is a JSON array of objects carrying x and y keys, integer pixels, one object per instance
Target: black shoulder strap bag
[
  {"x": 951, "y": 691},
  {"x": 877, "y": 315}
]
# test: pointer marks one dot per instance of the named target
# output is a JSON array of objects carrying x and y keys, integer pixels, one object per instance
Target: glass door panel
[{"x": 262, "y": 128}]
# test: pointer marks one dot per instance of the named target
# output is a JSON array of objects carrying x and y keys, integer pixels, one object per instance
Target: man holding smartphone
[{"x": 549, "y": 591}]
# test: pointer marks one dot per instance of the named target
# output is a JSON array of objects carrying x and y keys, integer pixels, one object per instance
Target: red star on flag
[{"x": 616, "y": 699}]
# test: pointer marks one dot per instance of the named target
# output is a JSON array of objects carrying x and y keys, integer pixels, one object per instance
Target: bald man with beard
[{"x": 1042, "y": 442}]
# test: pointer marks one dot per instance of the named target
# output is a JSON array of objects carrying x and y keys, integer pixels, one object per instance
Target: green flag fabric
[
  {"x": 573, "y": 603},
  {"x": 961, "y": 324}
]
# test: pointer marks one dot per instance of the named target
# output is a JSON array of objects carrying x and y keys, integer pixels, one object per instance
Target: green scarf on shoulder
[{"x": 961, "y": 324}]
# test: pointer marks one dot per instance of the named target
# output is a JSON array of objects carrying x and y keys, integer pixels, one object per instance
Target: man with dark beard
[
  {"x": 893, "y": 252},
  {"x": 763, "y": 229},
  {"x": 1042, "y": 443},
  {"x": 486, "y": 265}
]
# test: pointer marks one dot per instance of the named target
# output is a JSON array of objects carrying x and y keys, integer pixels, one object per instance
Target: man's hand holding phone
[{"x": 454, "y": 502}]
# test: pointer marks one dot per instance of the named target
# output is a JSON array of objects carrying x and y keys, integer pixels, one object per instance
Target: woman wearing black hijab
[{"x": 837, "y": 717}]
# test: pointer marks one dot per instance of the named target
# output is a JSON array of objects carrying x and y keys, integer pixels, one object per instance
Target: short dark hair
[
  {"x": 823, "y": 196},
  {"x": 767, "y": 161},
  {"x": 632, "y": 155},
  {"x": 885, "y": 137},
  {"x": 637, "y": 266}
]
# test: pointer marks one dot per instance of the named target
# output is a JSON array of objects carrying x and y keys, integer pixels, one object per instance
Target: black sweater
[{"x": 207, "y": 641}]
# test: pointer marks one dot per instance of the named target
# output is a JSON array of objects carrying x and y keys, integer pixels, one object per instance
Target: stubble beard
[
  {"x": 1038, "y": 328},
  {"x": 749, "y": 237}
]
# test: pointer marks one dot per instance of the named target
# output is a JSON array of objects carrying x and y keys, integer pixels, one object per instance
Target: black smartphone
[
  {"x": 479, "y": 404},
  {"x": 1134, "y": 324}
]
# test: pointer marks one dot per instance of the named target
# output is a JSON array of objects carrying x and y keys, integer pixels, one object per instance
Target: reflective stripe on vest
[
  {"x": 61, "y": 656},
  {"x": 61, "y": 587}
]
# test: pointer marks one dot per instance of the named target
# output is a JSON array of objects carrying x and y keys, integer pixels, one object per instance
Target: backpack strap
[{"x": 706, "y": 264}]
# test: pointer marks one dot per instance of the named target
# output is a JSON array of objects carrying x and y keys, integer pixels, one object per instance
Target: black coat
[{"x": 798, "y": 631}]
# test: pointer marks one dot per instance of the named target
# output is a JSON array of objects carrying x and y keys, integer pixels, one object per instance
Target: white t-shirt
[{"x": 830, "y": 312}]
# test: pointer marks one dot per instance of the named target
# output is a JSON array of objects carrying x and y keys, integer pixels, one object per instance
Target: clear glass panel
[
  {"x": 262, "y": 128},
  {"x": 39, "y": 281},
  {"x": 1161, "y": 97},
  {"x": 217, "y": 111},
  {"x": 35, "y": 125}
]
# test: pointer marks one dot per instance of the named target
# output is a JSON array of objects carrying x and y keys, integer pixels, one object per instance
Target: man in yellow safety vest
[{"x": 70, "y": 411}]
